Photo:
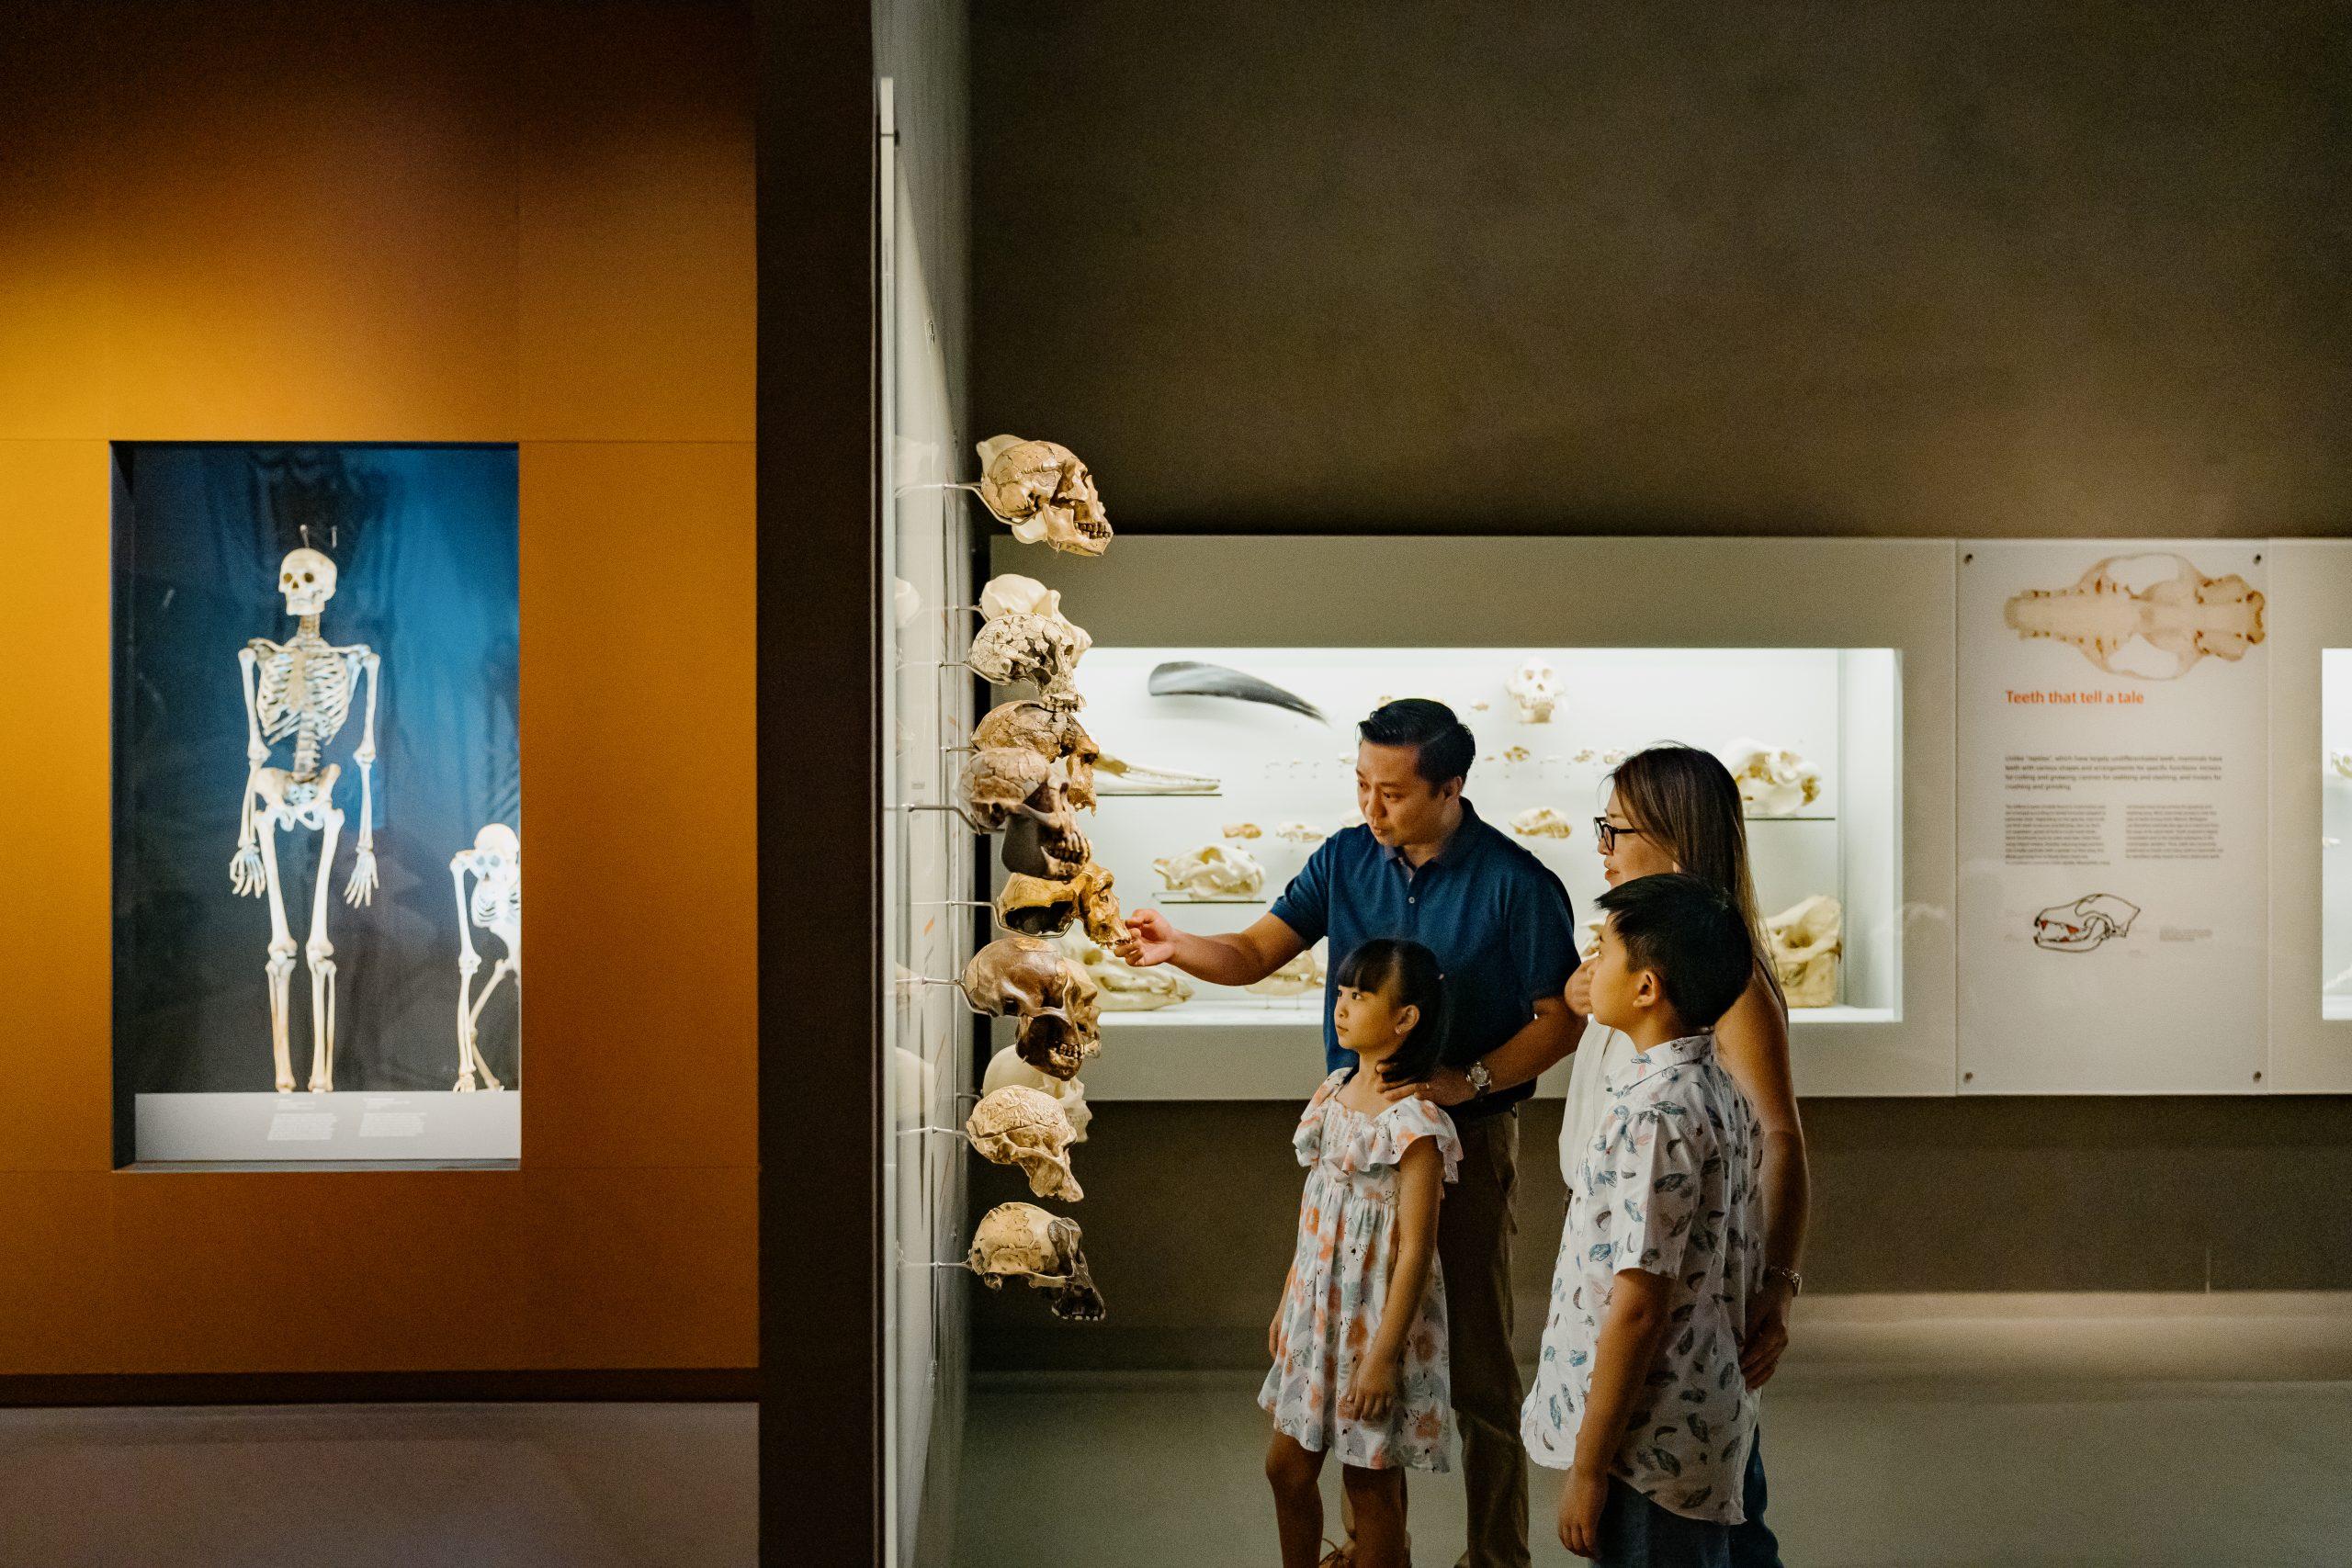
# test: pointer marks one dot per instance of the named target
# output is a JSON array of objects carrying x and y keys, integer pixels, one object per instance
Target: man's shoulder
[{"x": 1511, "y": 859}]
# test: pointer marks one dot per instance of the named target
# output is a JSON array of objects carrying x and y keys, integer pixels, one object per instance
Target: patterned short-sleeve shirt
[{"x": 1669, "y": 1184}]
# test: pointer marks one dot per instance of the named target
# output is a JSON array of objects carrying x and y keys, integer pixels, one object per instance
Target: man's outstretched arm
[{"x": 1236, "y": 958}]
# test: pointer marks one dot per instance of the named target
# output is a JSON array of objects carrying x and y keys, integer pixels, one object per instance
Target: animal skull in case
[
  {"x": 1026, "y": 1127},
  {"x": 1541, "y": 822},
  {"x": 1805, "y": 939},
  {"x": 1535, "y": 690},
  {"x": 1030, "y": 979},
  {"x": 1773, "y": 781},
  {"x": 1213, "y": 871},
  {"x": 1039, "y": 905},
  {"x": 997, "y": 780},
  {"x": 1043, "y": 492},
  {"x": 1021, "y": 1241},
  {"x": 2084, "y": 924},
  {"x": 1121, "y": 987},
  {"x": 1006, "y": 1070},
  {"x": 1025, "y": 647},
  {"x": 1296, "y": 978}
]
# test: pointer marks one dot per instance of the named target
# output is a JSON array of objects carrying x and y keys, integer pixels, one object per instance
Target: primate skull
[
  {"x": 1773, "y": 781},
  {"x": 1045, "y": 492},
  {"x": 1030, "y": 979},
  {"x": 1053, "y": 731},
  {"x": 1026, "y": 1127},
  {"x": 997, "y": 780},
  {"x": 1534, "y": 689},
  {"x": 1805, "y": 940},
  {"x": 306, "y": 579},
  {"x": 1014, "y": 594},
  {"x": 1044, "y": 840},
  {"x": 1021, "y": 1241},
  {"x": 1039, "y": 905},
  {"x": 1020, "y": 646},
  {"x": 1007, "y": 1070}
]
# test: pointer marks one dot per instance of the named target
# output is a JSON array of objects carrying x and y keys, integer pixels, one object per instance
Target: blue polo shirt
[{"x": 1496, "y": 917}]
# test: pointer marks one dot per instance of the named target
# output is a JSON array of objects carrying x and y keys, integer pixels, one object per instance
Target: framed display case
[
  {"x": 2336, "y": 834},
  {"x": 318, "y": 799},
  {"x": 2309, "y": 934},
  {"x": 1804, "y": 683}
]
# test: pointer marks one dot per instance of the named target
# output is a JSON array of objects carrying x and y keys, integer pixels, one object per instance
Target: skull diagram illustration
[
  {"x": 1027, "y": 1127},
  {"x": 1030, "y": 979},
  {"x": 1021, "y": 1241},
  {"x": 1043, "y": 492},
  {"x": 2084, "y": 924}
]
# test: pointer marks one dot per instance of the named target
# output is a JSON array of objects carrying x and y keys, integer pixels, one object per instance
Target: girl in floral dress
[{"x": 1359, "y": 1341}]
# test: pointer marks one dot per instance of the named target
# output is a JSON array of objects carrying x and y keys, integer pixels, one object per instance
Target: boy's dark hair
[
  {"x": 1442, "y": 745},
  {"x": 1412, "y": 970},
  {"x": 1684, "y": 929}
]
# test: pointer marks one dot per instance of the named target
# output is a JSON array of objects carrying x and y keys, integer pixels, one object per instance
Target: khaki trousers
[{"x": 1474, "y": 1227}]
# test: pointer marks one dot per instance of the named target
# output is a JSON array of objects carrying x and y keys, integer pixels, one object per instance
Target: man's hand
[
  {"x": 1150, "y": 939},
  {"x": 1444, "y": 1087},
  {"x": 1767, "y": 1335},
  {"x": 1580, "y": 989},
  {"x": 1372, "y": 1393},
  {"x": 1581, "y": 1499}
]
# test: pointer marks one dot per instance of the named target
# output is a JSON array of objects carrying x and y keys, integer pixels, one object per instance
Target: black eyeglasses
[{"x": 1607, "y": 831}]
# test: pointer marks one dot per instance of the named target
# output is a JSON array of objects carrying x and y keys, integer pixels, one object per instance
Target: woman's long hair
[{"x": 1685, "y": 799}]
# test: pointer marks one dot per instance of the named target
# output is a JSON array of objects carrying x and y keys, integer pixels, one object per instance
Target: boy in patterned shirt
[{"x": 1638, "y": 1395}]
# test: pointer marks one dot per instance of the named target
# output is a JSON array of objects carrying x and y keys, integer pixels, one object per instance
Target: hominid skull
[
  {"x": 1044, "y": 840},
  {"x": 1025, "y": 647},
  {"x": 1039, "y": 906},
  {"x": 1006, "y": 1070},
  {"x": 1534, "y": 690},
  {"x": 1054, "y": 732},
  {"x": 1011, "y": 594},
  {"x": 1045, "y": 492},
  {"x": 1026, "y": 1127},
  {"x": 1027, "y": 978},
  {"x": 306, "y": 579},
  {"x": 1806, "y": 938},
  {"x": 1021, "y": 1241},
  {"x": 997, "y": 780}
]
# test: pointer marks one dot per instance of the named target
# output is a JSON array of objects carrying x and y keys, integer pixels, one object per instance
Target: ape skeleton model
[
  {"x": 301, "y": 689},
  {"x": 497, "y": 864}
]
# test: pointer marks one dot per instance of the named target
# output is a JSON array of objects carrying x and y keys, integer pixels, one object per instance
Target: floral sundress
[{"x": 1339, "y": 1287}]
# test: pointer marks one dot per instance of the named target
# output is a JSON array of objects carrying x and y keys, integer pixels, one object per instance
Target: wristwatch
[
  {"x": 1480, "y": 1079},
  {"x": 1795, "y": 1280}
]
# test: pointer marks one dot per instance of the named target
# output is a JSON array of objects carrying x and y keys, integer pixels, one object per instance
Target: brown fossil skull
[
  {"x": 997, "y": 780},
  {"x": 1054, "y": 732},
  {"x": 1043, "y": 839},
  {"x": 1021, "y": 1241},
  {"x": 1043, "y": 492},
  {"x": 1039, "y": 905},
  {"x": 1033, "y": 981}
]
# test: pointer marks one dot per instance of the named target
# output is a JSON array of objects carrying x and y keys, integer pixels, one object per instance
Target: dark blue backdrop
[{"x": 425, "y": 542}]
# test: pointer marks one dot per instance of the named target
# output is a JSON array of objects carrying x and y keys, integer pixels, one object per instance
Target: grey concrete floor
[
  {"x": 2033, "y": 1432},
  {"x": 380, "y": 1486}
]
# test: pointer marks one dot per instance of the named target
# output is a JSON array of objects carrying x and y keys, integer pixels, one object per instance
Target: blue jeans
[
  {"x": 1753, "y": 1544},
  {"x": 1637, "y": 1533}
]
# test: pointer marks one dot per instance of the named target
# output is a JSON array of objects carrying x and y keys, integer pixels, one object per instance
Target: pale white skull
[
  {"x": 1773, "y": 781},
  {"x": 1014, "y": 594},
  {"x": 1213, "y": 871},
  {"x": 1805, "y": 940},
  {"x": 1535, "y": 690},
  {"x": 306, "y": 579},
  {"x": 1007, "y": 1070},
  {"x": 1541, "y": 822},
  {"x": 1045, "y": 492},
  {"x": 1026, "y": 1127},
  {"x": 1021, "y": 1241},
  {"x": 2341, "y": 762},
  {"x": 1020, "y": 646},
  {"x": 1300, "y": 976}
]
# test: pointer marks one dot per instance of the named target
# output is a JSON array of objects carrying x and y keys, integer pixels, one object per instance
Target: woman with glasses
[{"x": 1675, "y": 809}]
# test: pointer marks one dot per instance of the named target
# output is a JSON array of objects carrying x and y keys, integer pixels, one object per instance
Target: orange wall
[{"x": 400, "y": 222}]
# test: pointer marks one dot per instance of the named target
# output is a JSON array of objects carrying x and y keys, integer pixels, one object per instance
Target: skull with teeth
[
  {"x": 1030, "y": 979},
  {"x": 1045, "y": 492},
  {"x": 1535, "y": 690},
  {"x": 1013, "y": 593},
  {"x": 1020, "y": 647},
  {"x": 1043, "y": 839},
  {"x": 306, "y": 579},
  {"x": 1007, "y": 1070},
  {"x": 1038, "y": 906},
  {"x": 997, "y": 780},
  {"x": 1021, "y": 1241},
  {"x": 1026, "y": 1127},
  {"x": 1054, "y": 732}
]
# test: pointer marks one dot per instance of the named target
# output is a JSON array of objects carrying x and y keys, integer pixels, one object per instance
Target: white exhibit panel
[
  {"x": 1830, "y": 814},
  {"x": 2311, "y": 806},
  {"x": 2114, "y": 818}
]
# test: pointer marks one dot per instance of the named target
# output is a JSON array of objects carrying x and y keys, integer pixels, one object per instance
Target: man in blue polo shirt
[{"x": 1426, "y": 866}]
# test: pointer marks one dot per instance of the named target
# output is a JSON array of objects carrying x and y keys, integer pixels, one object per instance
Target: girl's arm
[
  {"x": 1753, "y": 1042},
  {"x": 1419, "y": 1180}
]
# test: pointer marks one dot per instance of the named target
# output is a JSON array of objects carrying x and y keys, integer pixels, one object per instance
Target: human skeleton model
[
  {"x": 300, "y": 690},
  {"x": 2182, "y": 617},
  {"x": 495, "y": 862}
]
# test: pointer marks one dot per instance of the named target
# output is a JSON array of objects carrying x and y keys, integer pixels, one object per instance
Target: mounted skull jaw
[
  {"x": 1042, "y": 838},
  {"x": 1007, "y": 1070},
  {"x": 1019, "y": 647},
  {"x": 1021, "y": 1241},
  {"x": 1052, "y": 731},
  {"x": 1040, "y": 906},
  {"x": 997, "y": 781},
  {"x": 1043, "y": 492},
  {"x": 1026, "y": 1127},
  {"x": 1030, "y": 979}
]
